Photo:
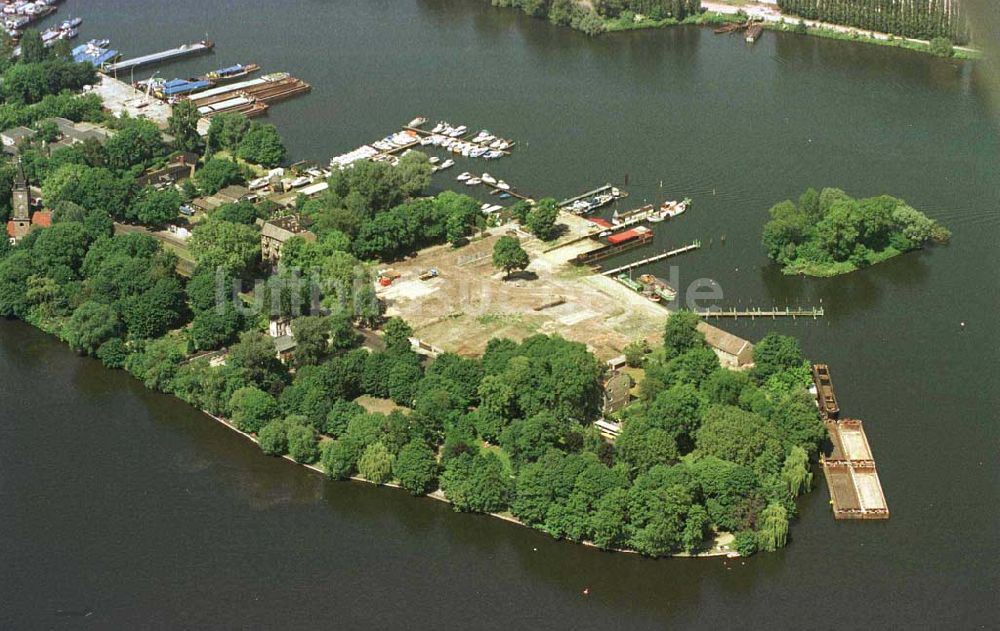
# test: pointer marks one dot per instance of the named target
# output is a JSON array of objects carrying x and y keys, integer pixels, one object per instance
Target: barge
[
  {"x": 825, "y": 398},
  {"x": 185, "y": 50}
]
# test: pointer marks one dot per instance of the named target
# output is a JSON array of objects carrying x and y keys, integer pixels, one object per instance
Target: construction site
[{"x": 456, "y": 301}]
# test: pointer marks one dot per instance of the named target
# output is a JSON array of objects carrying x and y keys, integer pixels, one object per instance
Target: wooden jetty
[
  {"x": 509, "y": 191},
  {"x": 815, "y": 312},
  {"x": 185, "y": 50},
  {"x": 732, "y": 27},
  {"x": 606, "y": 189},
  {"x": 855, "y": 488},
  {"x": 652, "y": 259}
]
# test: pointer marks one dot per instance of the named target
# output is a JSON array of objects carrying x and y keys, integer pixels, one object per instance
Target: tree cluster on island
[{"x": 830, "y": 233}]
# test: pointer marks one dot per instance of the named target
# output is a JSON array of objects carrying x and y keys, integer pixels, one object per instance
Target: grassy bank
[
  {"x": 891, "y": 41},
  {"x": 826, "y": 270}
]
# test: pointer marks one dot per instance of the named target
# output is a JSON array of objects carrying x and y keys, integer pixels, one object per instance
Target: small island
[{"x": 830, "y": 233}]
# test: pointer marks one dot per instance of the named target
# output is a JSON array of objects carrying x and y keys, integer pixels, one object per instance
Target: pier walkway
[
  {"x": 652, "y": 259},
  {"x": 815, "y": 312}
]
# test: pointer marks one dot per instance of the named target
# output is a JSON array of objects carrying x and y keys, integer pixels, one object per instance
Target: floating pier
[
  {"x": 855, "y": 488},
  {"x": 592, "y": 200},
  {"x": 815, "y": 312},
  {"x": 185, "y": 50},
  {"x": 694, "y": 245}
]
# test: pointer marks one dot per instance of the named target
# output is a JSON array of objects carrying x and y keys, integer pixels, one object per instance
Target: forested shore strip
[{"x": 438, "y": 495}]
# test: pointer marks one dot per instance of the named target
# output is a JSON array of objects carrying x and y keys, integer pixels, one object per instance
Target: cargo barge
[
  {"x": 185, "y": 50},
  {"x": 825, "y": 398}
]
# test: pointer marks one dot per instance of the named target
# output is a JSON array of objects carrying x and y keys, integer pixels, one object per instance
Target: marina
[
  {"x": 459, "y": 140},
  {"x": 185, "y": 50}
]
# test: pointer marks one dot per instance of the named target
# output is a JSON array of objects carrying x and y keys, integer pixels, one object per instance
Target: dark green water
[{"x": 136, "y": 507}]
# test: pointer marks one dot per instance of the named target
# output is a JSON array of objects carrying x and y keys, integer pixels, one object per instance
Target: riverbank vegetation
[
  {"x": 594, "y": 18},
  {"x": 830, "y": 233}
]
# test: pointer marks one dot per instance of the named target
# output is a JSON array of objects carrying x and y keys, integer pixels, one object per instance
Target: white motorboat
[
  {"x": 417, "y": 122},
  {"x": 463, "y": 176},
  {"x": 447, "y": 163},
  {"x": 492, "y": 209},
  {"x": 489, "y": 179},
  {"x": 472, "y": 181},
  {"x": 502, "y": 185},
  {"x": 433, "y": 159},
  {"x": 438, "y": 128}
]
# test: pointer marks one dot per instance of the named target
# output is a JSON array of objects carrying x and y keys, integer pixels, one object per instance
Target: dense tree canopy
[{"x": 832, "y": 233}]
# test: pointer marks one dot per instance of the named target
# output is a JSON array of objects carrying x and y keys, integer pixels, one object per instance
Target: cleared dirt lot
[{"x": 470, "y": 302}]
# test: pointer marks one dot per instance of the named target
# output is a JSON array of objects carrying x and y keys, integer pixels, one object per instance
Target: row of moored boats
[{"x": 485, "y": 178}]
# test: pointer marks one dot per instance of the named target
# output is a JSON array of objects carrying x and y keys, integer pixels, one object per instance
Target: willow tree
[
  {"x": 773, "y": 531},
  {"x": 795, "y": 473}
]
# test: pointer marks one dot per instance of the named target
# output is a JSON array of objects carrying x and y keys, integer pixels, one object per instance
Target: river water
[{"x": 138, "y": 509}]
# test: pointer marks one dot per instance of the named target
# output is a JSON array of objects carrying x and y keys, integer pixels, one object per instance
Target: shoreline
[
  {"x": 717, "y": 14},
  {"x": 714, "y": 552}
]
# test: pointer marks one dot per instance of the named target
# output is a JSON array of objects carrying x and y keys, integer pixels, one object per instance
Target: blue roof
[
  {"x": 80, "y": 54},
  {"x": 184, "y": 86},
  {"x": 230, "y": 69}
]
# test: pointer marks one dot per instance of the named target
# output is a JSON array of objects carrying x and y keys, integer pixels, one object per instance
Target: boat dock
[
  {"x": 652, "y": 259},
  {"x": 855, "y": 488},
  {"x": 815, "y": 312},
  {"x": 592, "y": 200},
  {"x": 597, "y": 191},
  {"x": 185, "y": 50},
  {"x": 465, "y": 138}
]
